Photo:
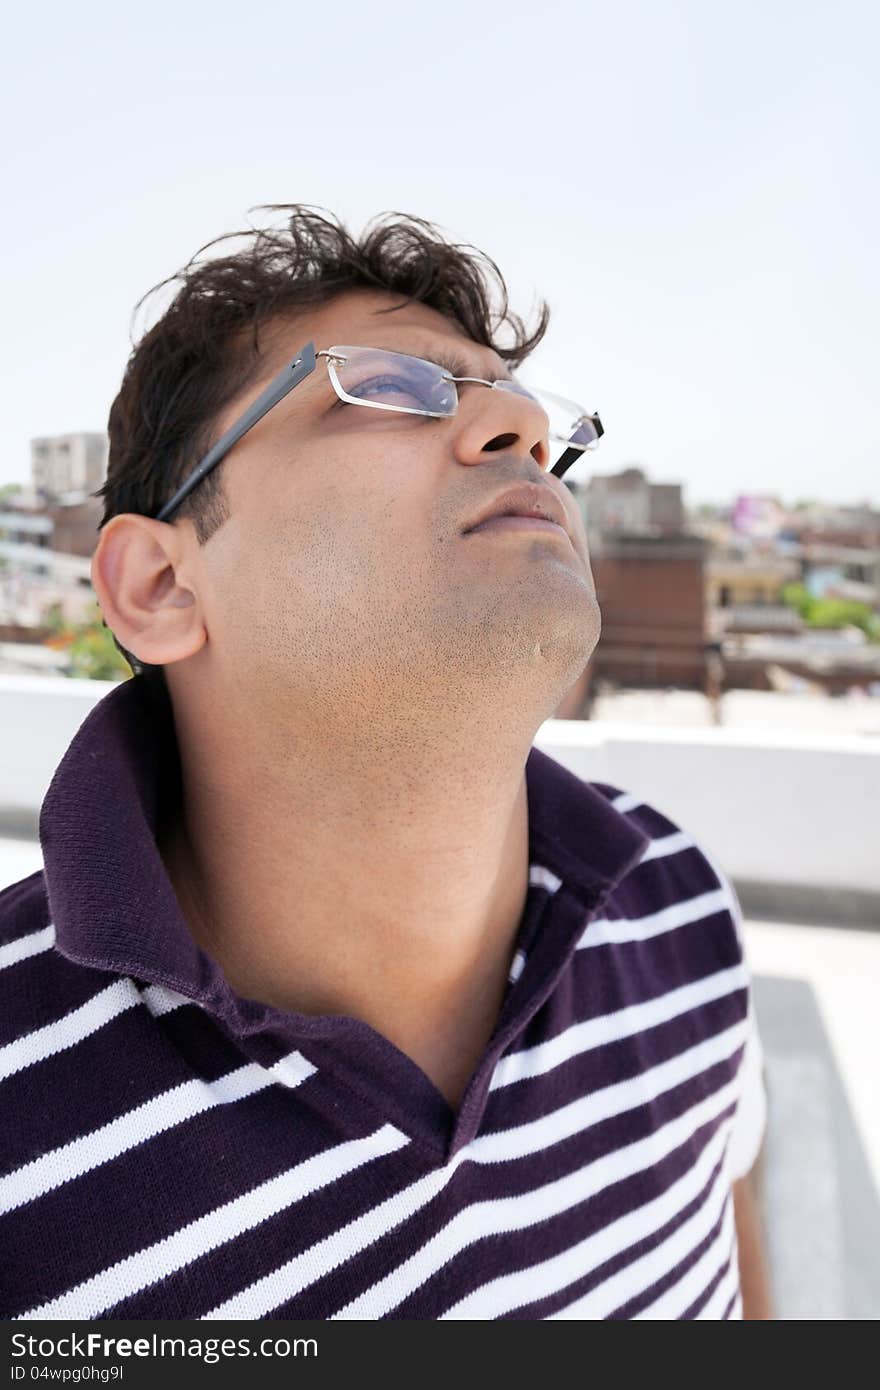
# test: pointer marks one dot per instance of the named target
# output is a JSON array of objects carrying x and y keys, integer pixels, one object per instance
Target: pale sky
[{"x": 693, "y": 188}]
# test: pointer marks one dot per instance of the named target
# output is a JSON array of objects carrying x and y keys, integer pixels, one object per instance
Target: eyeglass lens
[{"x": 394, "y": 381}]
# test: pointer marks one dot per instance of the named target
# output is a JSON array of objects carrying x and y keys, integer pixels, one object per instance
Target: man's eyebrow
[{"x": 454, "y": 363}]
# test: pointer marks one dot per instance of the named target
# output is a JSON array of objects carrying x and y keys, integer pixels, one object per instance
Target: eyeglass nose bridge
[
  {"x": 478, "y": 379},
  {"x": 502, "y": 384}
]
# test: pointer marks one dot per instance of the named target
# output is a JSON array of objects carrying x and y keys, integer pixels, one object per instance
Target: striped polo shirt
[{"x": 170, "y": 1149}]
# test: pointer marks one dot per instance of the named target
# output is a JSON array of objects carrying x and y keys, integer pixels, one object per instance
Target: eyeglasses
[{"x": 384, "y": 380}]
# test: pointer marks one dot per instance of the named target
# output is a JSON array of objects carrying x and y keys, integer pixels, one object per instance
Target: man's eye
[{"x": 389, "y": 390}]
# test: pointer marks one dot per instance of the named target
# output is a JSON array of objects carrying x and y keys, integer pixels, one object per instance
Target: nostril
[{"x": 501, "y": 441}]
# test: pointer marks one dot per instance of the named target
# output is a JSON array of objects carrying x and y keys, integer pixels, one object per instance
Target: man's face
[{"x": 342, "y": 579}]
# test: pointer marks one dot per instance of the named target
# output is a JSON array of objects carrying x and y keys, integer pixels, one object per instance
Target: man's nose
[{"x": 490, "y": 419}]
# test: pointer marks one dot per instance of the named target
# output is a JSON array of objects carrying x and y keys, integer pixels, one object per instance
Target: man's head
[{"x": 324, "y": 558}]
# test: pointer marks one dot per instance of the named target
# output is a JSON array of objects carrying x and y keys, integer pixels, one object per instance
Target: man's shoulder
[
  {"x": 24, "y": 914},
  {"x": 31, "y": 988},
  {"x": 38, "y": 984},
  {"x": 668, "y": 942}
]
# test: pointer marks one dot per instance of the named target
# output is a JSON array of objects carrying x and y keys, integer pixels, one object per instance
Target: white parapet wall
[
  {"x": 799, "y": 809},
  {"x": 39, "y": 716}
]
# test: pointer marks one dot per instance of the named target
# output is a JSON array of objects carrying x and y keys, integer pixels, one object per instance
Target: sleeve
[{"x": 750, "y": 1118}]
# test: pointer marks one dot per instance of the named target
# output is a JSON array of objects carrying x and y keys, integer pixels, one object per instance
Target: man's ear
[{"x": 142, "y": 576}]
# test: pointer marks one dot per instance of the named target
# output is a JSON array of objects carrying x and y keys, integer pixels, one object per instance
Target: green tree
[
  {"x": 92, "y": 653},
  {"x": 798, "y": 597},
  {"x": 840, "y": 612},
  {"x": 54, "y": 619},
  {"x": 832, "y": 612}
]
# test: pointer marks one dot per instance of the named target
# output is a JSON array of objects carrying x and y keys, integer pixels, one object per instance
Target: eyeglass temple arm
[
  {"x": 567, "y": 459},
  {"x": 291, "y": 374}
]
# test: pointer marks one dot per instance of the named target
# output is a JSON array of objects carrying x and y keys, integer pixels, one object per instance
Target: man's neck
[{"x": 399, "y": 909}]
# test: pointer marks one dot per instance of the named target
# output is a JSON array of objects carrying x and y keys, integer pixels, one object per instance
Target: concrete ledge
[
  {"x": 809, "y": 905},
  {"x": 18, "y": 823}
]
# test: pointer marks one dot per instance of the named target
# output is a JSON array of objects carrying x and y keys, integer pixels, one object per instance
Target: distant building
[
  {"x": 830, "y": 660},
  {"x": 649, "y": 577},
  {"x": 25, "y": 537},
  {"x": 697, "y": 603},
  {"x": 28, "y": 550},
  {"x": 75, "y": 520},
  {"x": 627, "y": 502},
  {"x": 759, "y": 618},
  {"x": 854, "y": 527},
  {"x": 842, "y": 570},
  {"x": 65, "y": 463},
  {"x": 758, "y": 515},
  {"x": 736, "y": 577},
  {"x": 45, "y": 559},
  {"x": 651, "y": 592}
]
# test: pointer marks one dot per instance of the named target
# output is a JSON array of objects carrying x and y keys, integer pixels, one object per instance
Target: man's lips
[
  {"x": 533, "y": 500},
  {"x": 519, "y": 523}
]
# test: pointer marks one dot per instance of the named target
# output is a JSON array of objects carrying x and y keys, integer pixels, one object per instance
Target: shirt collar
[{"x": 110, "y": 898}]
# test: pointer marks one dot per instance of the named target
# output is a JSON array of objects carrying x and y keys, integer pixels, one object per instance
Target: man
[{"x": 336, "y": 997}]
